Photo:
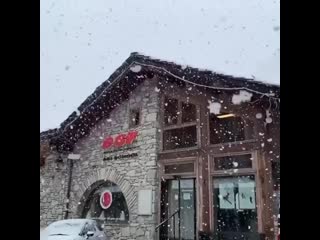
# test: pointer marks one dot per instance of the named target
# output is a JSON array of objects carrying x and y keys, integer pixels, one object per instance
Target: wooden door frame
[
  {"x": 194, "y": 175},
  {"x": 252, "y": 171}
]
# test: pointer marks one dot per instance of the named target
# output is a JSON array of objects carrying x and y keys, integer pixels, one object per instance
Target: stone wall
[
  {"x": 53, "y": 183},
  {"x": 131, "y": 175}
]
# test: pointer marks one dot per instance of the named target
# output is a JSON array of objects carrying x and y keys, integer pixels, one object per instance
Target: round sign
[{"x": 106, "y": 199}]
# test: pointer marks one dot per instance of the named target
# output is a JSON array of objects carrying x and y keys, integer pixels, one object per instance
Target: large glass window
[
  {"x": 180, "y": 138},
  {"x": 235, "y": 205},
  {"x": 228, "y": 127},
  {"x": 113, "y": 208}
]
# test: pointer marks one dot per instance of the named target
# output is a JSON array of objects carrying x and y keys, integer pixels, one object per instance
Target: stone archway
[{"x": 107, "y": 174}]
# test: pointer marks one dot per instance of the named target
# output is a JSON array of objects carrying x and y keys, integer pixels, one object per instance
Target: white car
[{"x": 73, "y": 229}]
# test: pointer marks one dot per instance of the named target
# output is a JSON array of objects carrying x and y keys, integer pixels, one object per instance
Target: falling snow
[
  {"x": 136, "y": 68},
  {"x": 268, "y": 120},
  {"x": 242, "y": 97},
  {"x": 183, "y": 67},
  {"x": 259, "y": 115},
  {"x": 214, "y": 107}
]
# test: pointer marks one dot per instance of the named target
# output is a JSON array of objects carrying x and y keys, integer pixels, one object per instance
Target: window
[
  {"x": 189, "y": 112},
  {"x": 134, "y": 118},
  {"x": 235, "y": 204},
  {"x": 179, "y": 168},
  {"x": 233, "y": 162},
  {"x": 227, "y": 127},
  {"x": 116, "y": 212},
  {"x": 180, "y": 124},
  {"x": 170, "y": 111},
  {"x": 180, "y": 138}
]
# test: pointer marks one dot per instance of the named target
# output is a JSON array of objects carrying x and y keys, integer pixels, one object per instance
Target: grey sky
[{"x": 83, "y": 41}]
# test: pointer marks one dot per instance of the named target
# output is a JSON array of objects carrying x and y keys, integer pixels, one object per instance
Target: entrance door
[{"x": 179, "y": 198}]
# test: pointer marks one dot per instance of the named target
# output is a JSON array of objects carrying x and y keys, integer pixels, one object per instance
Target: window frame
[
  {"x": 182, "y": 175},
  {"x": 138, "y": 109},
  {"x": 230, "y": 173},
  {"x": 179, "y": 124},
  {"x": 246, "y": 140},
  {"x": 169, "y": 162},
  {"x": 227, "y": 172}
]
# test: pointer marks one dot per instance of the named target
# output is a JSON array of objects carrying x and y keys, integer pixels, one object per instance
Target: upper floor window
[
  {"x": 180, "y": 124},
  {"x": 134, "y": 118},
  {"x": 228, "y": 127}
]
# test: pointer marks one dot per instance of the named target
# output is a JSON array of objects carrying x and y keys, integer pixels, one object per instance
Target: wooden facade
[
  {"x": 263, "y": 146},
  {"x": 262, "y": 141}
]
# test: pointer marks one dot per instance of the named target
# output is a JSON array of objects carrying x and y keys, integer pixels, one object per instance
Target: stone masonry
[{"x": 131, "y": 175}]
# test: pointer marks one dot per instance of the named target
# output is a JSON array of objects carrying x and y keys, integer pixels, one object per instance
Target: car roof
[{"x": 71, "y": 221}]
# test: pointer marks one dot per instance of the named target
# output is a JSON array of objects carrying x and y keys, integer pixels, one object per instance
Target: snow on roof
[
  {"x": 204, "y": 69},
  {"x": 203, "y": 78}
]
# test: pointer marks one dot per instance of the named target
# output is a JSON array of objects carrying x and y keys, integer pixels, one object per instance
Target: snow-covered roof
[
  {"x": 184, "y": 66},
  {"x": 133, "y": 71}
]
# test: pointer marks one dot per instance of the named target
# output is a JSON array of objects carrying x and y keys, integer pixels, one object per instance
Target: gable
[{"x": 135, "y": 70}]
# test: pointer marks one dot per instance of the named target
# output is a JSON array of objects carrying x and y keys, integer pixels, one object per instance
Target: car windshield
[{"x": 65, "y": 228}]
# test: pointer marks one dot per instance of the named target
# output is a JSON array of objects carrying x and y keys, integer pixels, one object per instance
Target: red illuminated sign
[
  {"x": 106, "y": 199},
  {"x": 120, "y": 140}
]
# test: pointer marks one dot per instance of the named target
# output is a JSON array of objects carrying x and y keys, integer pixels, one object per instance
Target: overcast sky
[{"x": 83, "y": 41}]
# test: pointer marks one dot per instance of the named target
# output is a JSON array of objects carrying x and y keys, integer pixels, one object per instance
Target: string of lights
[
  {"x": 135, "y": 63},
  {"x": 270, "y": 95}
]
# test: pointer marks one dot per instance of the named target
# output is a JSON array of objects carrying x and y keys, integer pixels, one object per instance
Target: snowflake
[
  {"x": 214, "y": 107},
  {"x": 243, "y": 96},
  {"x": 259, "y": 115},
  {"x": 136, "y": 68}
]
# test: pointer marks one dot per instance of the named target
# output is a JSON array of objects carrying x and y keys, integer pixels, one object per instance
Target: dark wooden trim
[{"x": 179, "y": 154}]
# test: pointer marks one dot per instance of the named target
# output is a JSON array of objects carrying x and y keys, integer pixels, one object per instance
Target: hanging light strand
[{"x": 269, "y": 95}]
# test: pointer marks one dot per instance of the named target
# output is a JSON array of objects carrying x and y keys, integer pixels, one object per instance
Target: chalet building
[{"x": 164, "y": 151}]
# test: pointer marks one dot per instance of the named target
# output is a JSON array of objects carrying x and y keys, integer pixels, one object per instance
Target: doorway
[{"x": 179, "y": 204}]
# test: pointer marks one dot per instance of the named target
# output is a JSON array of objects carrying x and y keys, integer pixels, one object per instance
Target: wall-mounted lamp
[{"x": 226, "y": 115}]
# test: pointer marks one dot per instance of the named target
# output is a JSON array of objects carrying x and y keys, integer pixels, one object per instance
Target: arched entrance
[
  {"x": 105, "y": 201},
  {"x": 115, "y": 188}
]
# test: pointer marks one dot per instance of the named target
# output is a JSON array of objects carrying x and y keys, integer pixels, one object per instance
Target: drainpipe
[
  {"x": 69, "y": 188},
  {"x": 71, "y": 158}
]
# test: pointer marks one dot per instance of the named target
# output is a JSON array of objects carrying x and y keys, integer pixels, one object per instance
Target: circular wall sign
[{"x": 106, "y": 199}]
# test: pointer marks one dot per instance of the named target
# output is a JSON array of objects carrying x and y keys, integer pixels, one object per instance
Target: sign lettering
[{"x": 120, "y": 140}]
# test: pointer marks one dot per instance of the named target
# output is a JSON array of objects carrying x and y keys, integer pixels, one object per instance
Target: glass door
[{"x": 179, "y": 200}]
